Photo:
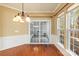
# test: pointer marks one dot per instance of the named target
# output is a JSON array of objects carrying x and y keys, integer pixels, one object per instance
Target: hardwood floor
[{"x": 32, "y": 50}]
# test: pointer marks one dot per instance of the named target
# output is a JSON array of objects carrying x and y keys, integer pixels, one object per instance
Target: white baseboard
[{"x": 13, "y": 41}]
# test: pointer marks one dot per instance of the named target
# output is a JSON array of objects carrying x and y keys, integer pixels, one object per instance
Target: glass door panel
[
  {"x": 34, "y": 31},
  {"x": 44, "y": 32}
]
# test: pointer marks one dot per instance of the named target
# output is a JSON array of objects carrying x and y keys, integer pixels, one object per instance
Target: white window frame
[
  {"x": 68, "y": 27},
  {"x": 58, "y": 28}
]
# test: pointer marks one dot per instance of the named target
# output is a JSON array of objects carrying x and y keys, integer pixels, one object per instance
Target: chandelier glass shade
[{"x": 21, "y": 17}]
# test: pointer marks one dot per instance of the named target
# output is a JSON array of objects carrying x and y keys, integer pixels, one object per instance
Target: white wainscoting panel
[{"x": 13, "y": 41}]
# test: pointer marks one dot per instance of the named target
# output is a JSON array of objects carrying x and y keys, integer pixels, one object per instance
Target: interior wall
[
  {"x": 10, "y": 28},
  {"x": 54, "y": 26},
  {"x": 13, "y": 34},
  {"x": 0, "y": 21}
]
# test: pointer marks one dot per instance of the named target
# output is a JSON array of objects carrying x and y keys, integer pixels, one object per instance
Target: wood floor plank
[{"x": 32, "y": 50}]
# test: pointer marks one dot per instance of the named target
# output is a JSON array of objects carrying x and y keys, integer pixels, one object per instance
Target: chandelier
[{"x": 22, "y": 17}]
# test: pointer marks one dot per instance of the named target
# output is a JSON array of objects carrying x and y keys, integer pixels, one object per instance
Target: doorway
[{"x": 40, "y": 31}]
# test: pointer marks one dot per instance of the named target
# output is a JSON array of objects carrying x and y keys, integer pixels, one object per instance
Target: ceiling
[{"x": 33, "y": 7}]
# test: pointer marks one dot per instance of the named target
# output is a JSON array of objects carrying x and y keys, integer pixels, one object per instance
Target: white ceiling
[{"x": 33, "y": 7}]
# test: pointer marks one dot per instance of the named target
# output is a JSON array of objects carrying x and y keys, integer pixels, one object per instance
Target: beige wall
[
  {"x": 7, "y": 25},
  {"x": 54, "y": 26},
  {"x": 0, "y": 21},
  {"x": 9, "y": 28}
]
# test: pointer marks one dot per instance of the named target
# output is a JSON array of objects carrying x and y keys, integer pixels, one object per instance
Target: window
[
  {"x": 61, "y": 27},
  {"x": 73, "y": 18},
  {"x": 72, "y": 29}
]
